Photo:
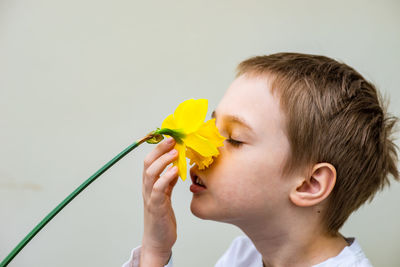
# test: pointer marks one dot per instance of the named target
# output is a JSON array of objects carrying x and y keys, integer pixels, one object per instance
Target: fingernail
[
  {"x": 173, "y": 152},
  {"x": 169, "y": 140},
  {"x": 173, "y": 169}
]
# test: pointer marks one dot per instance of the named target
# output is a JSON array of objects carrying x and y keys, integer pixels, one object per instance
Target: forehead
[{"x": 250, "y": 98}]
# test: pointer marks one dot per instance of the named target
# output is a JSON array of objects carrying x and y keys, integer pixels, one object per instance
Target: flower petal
[
  {"x": 181, "y": 161},
  {"x": 169, "y": 122},
  {"x": 205, "y": 140},
  {"x": 210, "y": 131},
  {"x": 190, "y": 115},
  {"x": 201, "y": 145}
]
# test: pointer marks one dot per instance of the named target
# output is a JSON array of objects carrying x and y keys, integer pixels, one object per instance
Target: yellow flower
[{"x": 198, "y": 140}]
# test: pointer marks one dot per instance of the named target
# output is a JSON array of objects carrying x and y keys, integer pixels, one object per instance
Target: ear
[{"x": 310, "y": 191}]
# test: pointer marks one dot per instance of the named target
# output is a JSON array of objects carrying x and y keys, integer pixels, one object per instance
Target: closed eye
[{"x": 234, "y": 142}]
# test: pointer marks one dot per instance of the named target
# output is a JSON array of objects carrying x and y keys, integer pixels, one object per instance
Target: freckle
[{"x": 319, "y": 211}]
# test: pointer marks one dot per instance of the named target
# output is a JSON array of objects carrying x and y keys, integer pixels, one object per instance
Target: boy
[{"x": 308, "y": 142}]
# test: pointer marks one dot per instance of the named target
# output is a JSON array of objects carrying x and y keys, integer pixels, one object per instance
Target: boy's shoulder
[
  {"x": 351, "y": 256},
  {"x": 242, "y": 252}
]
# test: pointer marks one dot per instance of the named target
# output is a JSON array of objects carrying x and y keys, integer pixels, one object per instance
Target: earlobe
[{"x": 316, "y": 187}]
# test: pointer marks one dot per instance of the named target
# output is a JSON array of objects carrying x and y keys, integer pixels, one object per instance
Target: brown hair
[{"x": 332, "y": 115}]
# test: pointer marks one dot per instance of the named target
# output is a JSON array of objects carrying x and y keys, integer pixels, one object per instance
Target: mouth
[{"x": 198, "y": 184}]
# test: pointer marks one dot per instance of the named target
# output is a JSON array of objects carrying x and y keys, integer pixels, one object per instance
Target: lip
[{"x": 195, "y": 188}]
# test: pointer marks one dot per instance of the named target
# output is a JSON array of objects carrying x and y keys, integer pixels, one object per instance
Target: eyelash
[{"x": 234, "y": 142}]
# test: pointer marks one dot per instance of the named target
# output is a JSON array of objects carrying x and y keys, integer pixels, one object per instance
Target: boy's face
[{"x": 245, "y": 182}]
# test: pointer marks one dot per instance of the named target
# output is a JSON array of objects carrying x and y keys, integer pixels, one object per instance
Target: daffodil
[{"x": 196, "y": 139}]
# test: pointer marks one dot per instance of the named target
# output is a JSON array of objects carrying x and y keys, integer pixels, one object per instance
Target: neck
[{"x": 298, "y": 246}]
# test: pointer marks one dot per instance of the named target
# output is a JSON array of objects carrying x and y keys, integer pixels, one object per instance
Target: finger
[
  {"x": 160, "y": 149},
  {"x": 172, "y": 183},
  {"x": 171, "y": 186},
  {"x": 154, "y": 171},
  {"x": 158, "y": 194}
]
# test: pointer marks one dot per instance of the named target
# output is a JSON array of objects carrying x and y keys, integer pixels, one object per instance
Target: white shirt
[{"x": 242, "y": 253}]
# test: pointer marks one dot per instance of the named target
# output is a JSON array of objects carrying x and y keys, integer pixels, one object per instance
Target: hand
[{"x": 159, "y": 219}]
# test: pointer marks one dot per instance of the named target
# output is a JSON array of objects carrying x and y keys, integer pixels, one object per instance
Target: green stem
[{"x": 68, "y": 199}]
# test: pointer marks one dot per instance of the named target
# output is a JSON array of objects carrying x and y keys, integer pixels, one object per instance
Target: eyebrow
[{"x": 233, "y": 119}]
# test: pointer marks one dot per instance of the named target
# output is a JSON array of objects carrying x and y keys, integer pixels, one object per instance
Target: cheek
[
  {"x": 249, "y": 179},
  {"x": 242, "y": 184}
]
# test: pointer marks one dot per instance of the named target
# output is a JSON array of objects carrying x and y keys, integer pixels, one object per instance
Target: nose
[
  {"x": 193, "y": 173},
  {"x": 193, "y": 170}
]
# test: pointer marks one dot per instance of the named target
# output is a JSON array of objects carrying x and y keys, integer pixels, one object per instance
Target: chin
[
  {"x": 203, "y": 211},
  {"x": 198, "y": 210}
]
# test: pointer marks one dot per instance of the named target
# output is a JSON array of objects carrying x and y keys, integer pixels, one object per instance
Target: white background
[{"x": 81, "y": 80}]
